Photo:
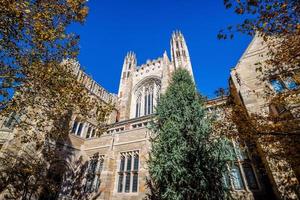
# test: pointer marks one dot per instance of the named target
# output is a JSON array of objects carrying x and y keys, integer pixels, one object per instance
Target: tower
[
  {"x": 125, "y": 87},
  {"x": 179, "y": 52}
]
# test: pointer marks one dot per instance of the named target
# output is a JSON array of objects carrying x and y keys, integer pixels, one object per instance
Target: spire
[
  {"x": 125, "y": 87},
  {"x": 179, "y": 52},
  {"x": 165, "y": 56},
  {"x": 129, "y": 63}
]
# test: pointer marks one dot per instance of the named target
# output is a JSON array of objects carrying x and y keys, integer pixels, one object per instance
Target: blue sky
[{"x": 114, "y": 27}]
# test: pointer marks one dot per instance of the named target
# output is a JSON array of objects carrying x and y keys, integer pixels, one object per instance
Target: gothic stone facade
[
  {"x": 117, "y": 161},
  {"x": 125, "y": 146}
]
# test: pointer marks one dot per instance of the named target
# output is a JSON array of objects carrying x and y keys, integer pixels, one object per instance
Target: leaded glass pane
[
  {"x": 145, "y": 104},
  {"x": 74, "y": 127},
  {"x": 136, "y": 162},
  {"x": 129, "y": 160},
  {"x": 237, "y": 178},
  {"x": 250, "y": 177},
  {"x": 149, "y": 104},
  {"x": 93, "y": 133},
  {"x": 127, "y": 182},
  {"x": 122, "y": 164},
  {"x": 137, "y": 110},
  {"x": 88, "y": 132},
  {"x": 79, "y": 129},
  {"x": 120, "y": 184},
  {"x": 135, "y": 182},
  {"x": 226, "y": 179}
]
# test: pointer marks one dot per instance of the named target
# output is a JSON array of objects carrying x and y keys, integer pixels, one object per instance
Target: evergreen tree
[{"x": 187, "y": 160}]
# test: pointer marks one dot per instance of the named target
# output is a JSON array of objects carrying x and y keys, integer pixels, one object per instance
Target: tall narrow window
[
  {"x": 237, "y": 178},
  {"x": 152, "y": 105},
  {"x": 75, "y": 124},
  {"x": 93, "y": 172},
  {"x": 135, "y": 182},
  {"x": 98, "y": 171},
  {"x": 149, "y": 104},
  {"x": 146, "y": 102},
  {"x": 242, "y": 174},
  {"x": 136, "y": 109},
  {"x": 128, "y": 180},
  {"x": 122, "y": 164},
  {"x": 88, "y": 134},
  {"x": 138, "y": 106},
  {"x": 93, "y": 133},
  {"x": 136, "y": 162},
  {"x": 120, "y": 184},
  {"x": 226, "y": 179},
  {"x": 79, "y": 129},
  {"x": 129, "y": 159},
  {"x": 250, "y": 176}
]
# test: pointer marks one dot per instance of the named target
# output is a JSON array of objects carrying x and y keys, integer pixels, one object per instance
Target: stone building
[
  {"x": 115, "y": 163},
  {"x": 279, "y": 148}
]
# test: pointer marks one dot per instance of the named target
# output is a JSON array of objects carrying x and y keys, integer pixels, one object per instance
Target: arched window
[{"x": 145, "y": 97}]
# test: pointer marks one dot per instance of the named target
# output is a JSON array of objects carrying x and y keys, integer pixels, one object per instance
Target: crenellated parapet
[{"x": 90, "y": 84}]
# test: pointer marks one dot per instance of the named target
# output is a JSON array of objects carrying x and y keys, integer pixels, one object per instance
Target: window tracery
[{"x": 146, "y": 97}]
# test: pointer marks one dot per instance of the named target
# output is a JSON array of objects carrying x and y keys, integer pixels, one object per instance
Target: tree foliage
[
  {"x": 187, "y": 160},
  {"x": 38, "y": 83},
  {"x": 33, "y": 38},
  {"x": 277, "y": 21}
]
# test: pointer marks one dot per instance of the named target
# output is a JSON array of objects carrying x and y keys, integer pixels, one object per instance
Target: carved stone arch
[
  {"x": 144, "y": 81},
  {"x": 145, "y": 96}
]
